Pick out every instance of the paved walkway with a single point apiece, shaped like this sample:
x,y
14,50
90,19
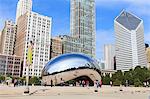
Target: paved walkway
x,y
106,92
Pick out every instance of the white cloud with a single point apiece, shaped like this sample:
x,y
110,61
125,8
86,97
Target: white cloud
x,y
133,2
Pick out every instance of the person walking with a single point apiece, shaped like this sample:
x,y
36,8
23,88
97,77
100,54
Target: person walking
x,y
100,83
126,83
147,83
62,82
51,83
83,83
96,84
15,82
111,83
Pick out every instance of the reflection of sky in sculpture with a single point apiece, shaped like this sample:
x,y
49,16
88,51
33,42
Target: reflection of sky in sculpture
x,y
68,61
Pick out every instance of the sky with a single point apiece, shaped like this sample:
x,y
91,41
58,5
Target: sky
x,y
106,11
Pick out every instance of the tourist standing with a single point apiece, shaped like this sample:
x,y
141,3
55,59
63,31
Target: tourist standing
x,y
51,83
100,83
15,82
111,83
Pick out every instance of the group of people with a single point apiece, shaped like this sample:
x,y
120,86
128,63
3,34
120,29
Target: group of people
x,y
82,83
13,82
98,84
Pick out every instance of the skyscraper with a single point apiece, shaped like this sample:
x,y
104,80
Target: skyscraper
x,y
109,54
8,38
82,23
36,28
71,44
23,6
130,48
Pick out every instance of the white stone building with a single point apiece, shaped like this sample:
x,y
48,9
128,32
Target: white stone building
x,y
130,47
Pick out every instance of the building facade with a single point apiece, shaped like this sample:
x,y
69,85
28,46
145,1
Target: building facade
x,y
109,54
148,57
130,48
23,6
102,64
8,38
36,28
65,44
10,65
82,23
71,44
56,47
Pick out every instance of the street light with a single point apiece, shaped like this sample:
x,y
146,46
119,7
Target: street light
x,y
29,63
27,81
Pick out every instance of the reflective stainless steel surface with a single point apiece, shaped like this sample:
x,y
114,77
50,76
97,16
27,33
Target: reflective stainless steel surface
x,y
69,61
69,67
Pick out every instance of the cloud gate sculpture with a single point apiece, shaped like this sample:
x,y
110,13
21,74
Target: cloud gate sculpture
x,y
68,67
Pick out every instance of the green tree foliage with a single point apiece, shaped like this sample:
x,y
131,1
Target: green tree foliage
x,y
117,82
118,76
34,80
128,76
141,73
136,77
106,79
137,83
2,78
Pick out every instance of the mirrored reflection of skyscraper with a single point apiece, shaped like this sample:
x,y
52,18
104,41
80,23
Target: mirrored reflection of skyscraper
x,y
83,23
130,48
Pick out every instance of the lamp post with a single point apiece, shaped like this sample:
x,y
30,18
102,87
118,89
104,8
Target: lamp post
x,y
27,81
29,62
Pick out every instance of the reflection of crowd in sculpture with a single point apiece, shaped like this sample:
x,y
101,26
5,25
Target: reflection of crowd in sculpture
x,y
78,83
83,83
98,84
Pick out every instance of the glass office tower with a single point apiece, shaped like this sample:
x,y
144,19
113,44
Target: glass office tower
x,y
83,23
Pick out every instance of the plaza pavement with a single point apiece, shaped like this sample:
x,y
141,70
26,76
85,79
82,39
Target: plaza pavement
x,y
106,92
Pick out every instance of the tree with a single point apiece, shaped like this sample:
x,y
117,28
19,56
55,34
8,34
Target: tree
x,y
135,76
141,73
2,78
117,82
128,75
118,76
137,83
106,79
34,80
